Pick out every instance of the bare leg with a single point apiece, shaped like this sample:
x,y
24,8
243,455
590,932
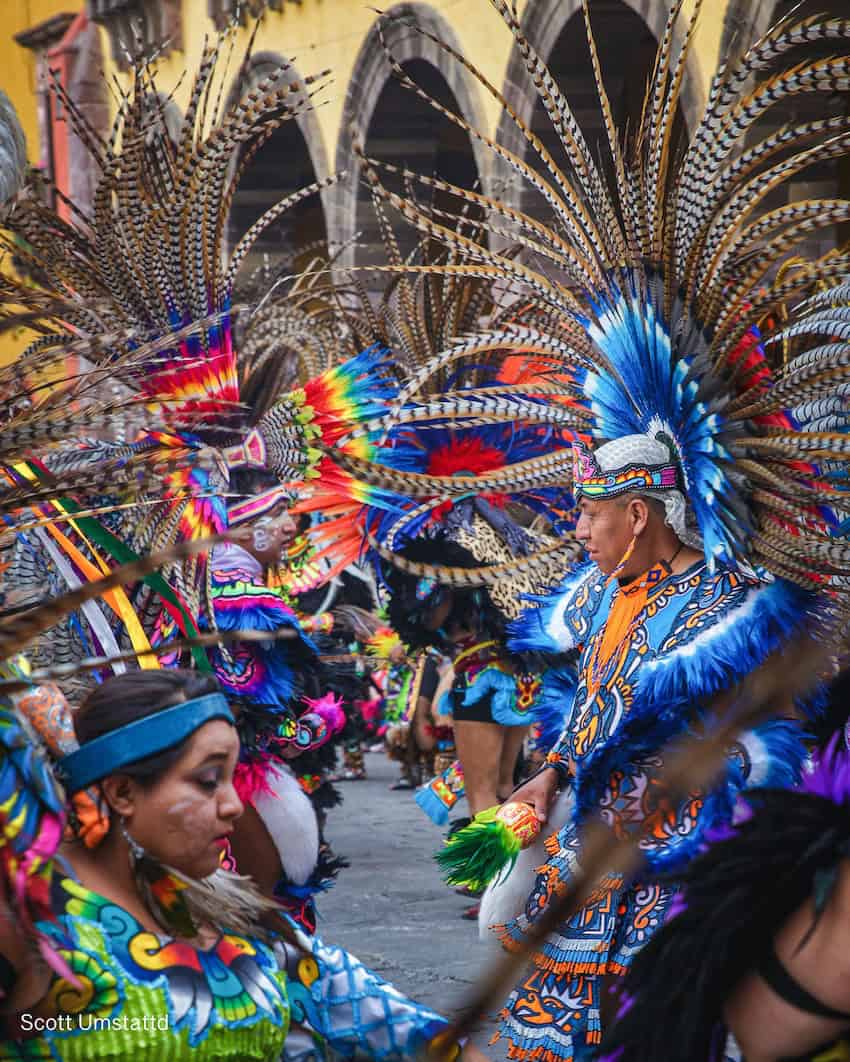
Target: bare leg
x,y
479,749
423,725
514,737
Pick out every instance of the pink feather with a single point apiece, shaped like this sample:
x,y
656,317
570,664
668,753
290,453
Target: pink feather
x,y
370,710
250,779
330,709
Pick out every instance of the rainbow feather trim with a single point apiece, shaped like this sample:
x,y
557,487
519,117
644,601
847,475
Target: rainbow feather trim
x,y
348,394
32,818
198,381
383,642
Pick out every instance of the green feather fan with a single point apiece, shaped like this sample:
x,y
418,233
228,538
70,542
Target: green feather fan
x,y
488,847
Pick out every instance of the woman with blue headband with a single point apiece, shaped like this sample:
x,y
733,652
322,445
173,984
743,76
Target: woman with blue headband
x,y
146,947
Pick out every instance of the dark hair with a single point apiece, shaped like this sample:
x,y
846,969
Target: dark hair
x,y
136,695
408,610
736,895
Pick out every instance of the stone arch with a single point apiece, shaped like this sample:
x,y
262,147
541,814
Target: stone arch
x,y
626,34
293,157
372,92
742,27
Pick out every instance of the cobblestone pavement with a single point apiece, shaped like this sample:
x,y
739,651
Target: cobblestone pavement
x,y
390,908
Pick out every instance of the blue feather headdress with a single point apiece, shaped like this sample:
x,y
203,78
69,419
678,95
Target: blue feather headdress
x,y
658,279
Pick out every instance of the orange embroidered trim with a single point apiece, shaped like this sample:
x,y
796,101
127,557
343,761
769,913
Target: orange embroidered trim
x,y
578,969
537,1054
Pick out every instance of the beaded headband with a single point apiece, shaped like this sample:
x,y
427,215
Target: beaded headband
x,y
257,505
590,481
137,740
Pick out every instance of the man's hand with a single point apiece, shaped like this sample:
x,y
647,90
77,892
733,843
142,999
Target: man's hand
x,y
539,791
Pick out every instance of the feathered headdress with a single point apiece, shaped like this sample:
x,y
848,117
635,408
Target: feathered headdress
x,y
454,444
134,306
659,275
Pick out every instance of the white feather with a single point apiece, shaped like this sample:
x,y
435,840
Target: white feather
x,y
291,821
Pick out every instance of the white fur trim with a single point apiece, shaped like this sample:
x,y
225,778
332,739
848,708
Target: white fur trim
x,y
291,821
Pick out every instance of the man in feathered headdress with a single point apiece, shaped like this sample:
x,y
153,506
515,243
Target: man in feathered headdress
x,y
646,281
661,634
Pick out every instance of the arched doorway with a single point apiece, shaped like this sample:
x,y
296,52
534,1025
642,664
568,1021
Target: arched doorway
x,y
626,36
626,43
406,131
396,126
289,160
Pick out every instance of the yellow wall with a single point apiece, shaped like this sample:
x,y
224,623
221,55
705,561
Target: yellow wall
x,y
17,64
316,34
328,34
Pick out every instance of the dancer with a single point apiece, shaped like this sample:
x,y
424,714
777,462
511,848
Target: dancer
x,y
645,587
242,600
712,537
490,700
143,931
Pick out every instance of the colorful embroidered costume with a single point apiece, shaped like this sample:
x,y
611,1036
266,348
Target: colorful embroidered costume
x,y
261,671
487,686
782,856
626,706
144,995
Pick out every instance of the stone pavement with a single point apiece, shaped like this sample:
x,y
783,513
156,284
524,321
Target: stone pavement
x,y
390,908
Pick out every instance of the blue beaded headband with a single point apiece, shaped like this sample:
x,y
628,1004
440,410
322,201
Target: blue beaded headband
x,y
137,740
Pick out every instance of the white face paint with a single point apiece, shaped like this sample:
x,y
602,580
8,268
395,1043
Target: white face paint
x,y
184,818
260,538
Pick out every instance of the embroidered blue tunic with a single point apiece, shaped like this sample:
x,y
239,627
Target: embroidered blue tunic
x,y
696,635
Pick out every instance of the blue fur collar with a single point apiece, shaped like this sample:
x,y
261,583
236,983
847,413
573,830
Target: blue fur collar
x,y
716,657
552,623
